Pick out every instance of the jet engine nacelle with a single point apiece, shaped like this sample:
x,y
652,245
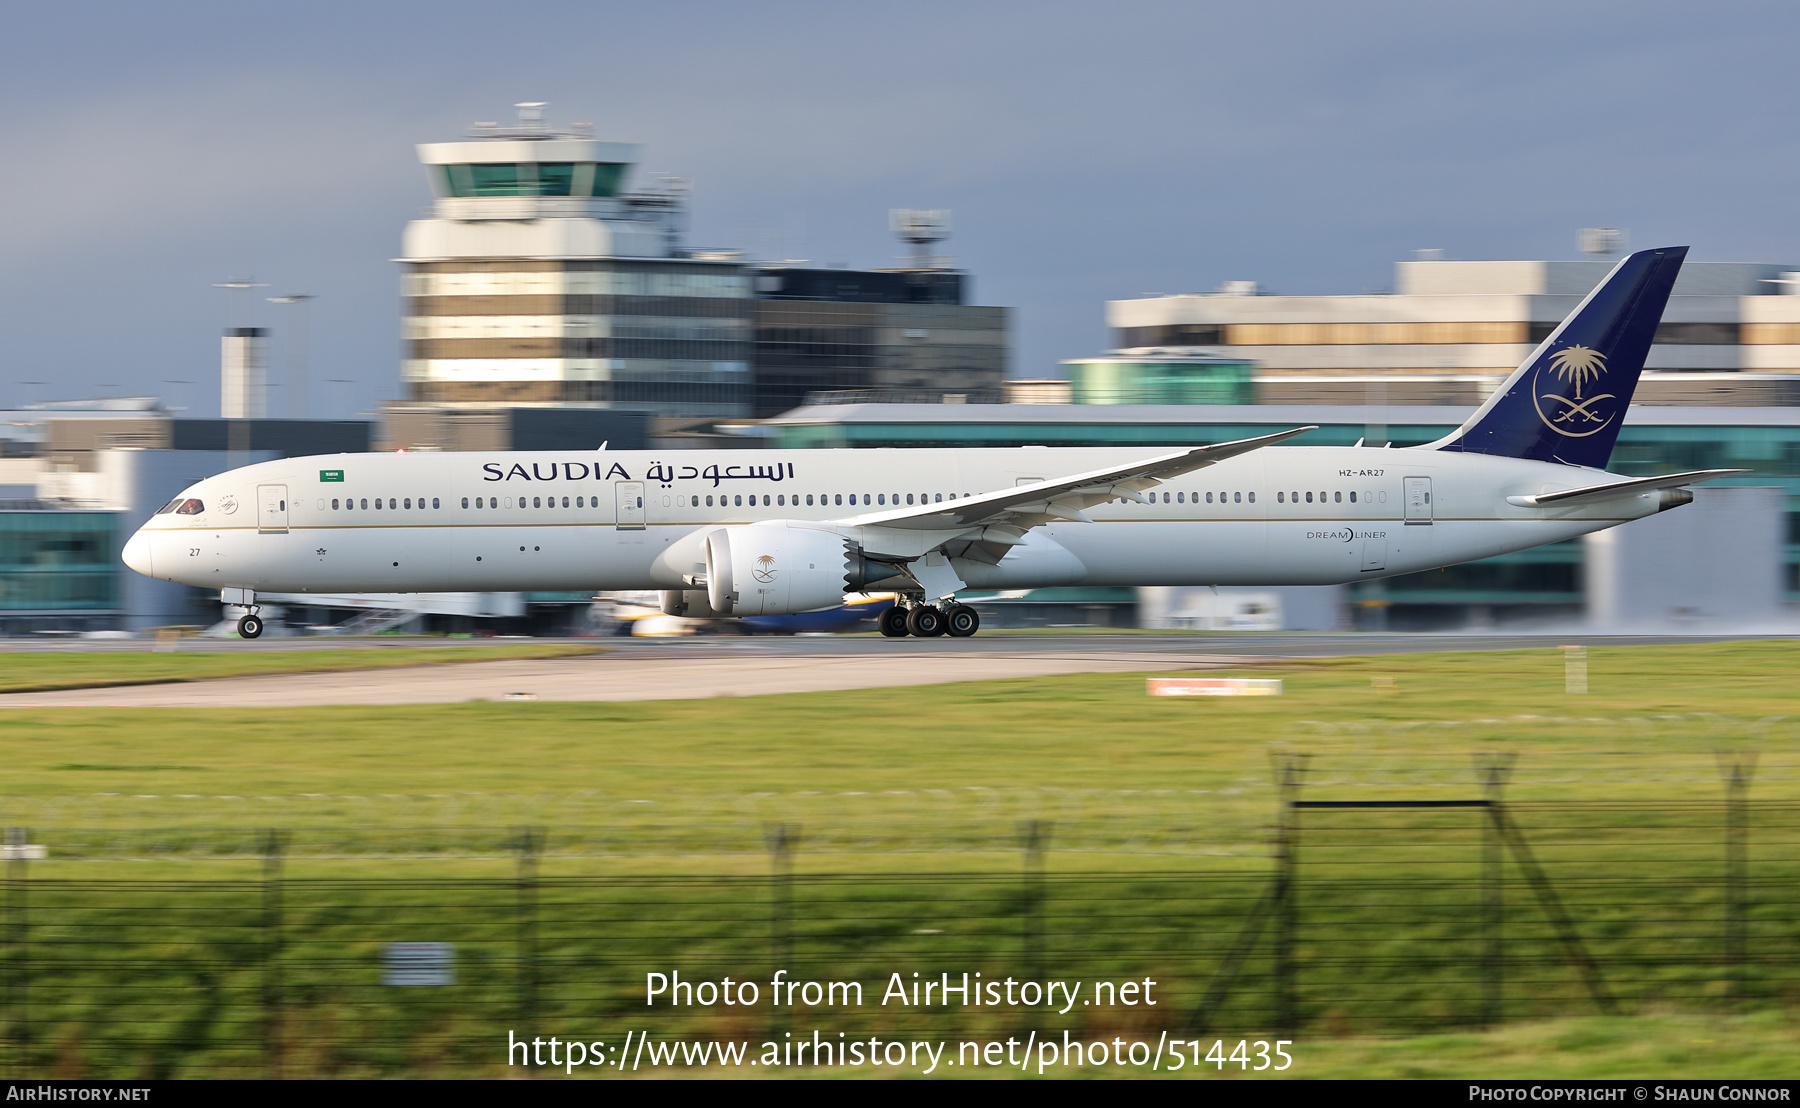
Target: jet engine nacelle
x,y
774,568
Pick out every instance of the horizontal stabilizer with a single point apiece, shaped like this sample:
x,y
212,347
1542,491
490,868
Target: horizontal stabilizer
x,y
1620,488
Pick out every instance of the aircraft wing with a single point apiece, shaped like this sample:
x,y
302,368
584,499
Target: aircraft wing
x,y
1616,488
1028,506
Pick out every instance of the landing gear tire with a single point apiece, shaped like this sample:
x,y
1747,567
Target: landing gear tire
x,y
925,622
961,621
893,622
250,627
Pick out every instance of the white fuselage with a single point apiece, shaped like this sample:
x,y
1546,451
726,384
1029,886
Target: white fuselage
x,y
566,520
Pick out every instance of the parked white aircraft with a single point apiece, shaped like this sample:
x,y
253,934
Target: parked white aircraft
x,y
792,531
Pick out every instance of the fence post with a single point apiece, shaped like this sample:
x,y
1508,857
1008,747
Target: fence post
x,y
781,838
1289,766
1737,768
272,844
17,1017
1034,836
525,889
1493,770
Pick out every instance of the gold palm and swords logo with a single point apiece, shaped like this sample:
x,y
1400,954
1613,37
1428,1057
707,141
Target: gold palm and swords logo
x,y
1579,415
764,569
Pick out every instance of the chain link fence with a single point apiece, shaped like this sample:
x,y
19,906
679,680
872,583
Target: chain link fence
x,y
1368,884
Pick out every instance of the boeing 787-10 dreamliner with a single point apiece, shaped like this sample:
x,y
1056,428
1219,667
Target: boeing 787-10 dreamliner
x,y
791,531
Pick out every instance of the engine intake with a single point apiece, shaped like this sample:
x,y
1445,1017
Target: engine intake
x,y
774,568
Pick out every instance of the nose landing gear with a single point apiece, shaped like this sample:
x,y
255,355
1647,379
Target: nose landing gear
x,y
250,626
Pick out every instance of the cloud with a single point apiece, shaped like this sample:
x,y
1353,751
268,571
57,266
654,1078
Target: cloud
x,y
1089,151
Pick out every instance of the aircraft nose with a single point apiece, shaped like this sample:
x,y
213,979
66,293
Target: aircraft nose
x,y
137,554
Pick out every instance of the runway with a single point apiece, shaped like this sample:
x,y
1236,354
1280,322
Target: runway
x,y
691,668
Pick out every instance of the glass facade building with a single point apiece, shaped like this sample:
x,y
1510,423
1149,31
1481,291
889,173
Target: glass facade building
x,y
873,331
57,562
1160,379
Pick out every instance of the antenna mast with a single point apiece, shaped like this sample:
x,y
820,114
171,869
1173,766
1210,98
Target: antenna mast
x,y
921,227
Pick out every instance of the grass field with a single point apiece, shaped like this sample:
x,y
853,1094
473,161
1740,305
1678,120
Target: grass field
x,y
1649,726
908,805
32,671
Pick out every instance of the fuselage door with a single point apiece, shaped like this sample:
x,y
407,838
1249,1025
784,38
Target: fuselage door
x,y
271,509
1418,501
630,499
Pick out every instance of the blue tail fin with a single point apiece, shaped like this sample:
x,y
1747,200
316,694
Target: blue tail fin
x,y
1565,404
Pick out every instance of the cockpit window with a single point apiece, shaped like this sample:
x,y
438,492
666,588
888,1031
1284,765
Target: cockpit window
x,y
169,507
190,508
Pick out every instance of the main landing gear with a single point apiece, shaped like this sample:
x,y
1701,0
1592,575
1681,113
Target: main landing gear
x,y
927,622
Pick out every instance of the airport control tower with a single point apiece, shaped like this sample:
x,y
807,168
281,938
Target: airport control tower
x,y
543,277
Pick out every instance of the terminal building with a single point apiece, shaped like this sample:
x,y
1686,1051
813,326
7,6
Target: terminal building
x,y
545,276
1473,318
77,478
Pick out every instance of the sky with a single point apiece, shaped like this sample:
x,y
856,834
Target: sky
x,y
1089,151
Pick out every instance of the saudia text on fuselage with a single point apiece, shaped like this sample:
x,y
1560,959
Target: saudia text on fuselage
x,y
658,473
